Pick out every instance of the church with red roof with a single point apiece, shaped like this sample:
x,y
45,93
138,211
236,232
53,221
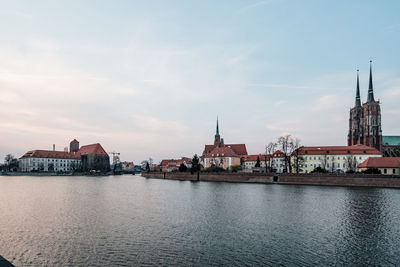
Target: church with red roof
x,y
222,155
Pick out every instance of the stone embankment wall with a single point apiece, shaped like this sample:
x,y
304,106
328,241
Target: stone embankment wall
x,y
371,180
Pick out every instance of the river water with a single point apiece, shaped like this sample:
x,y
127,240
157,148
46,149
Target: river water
x,y
130,220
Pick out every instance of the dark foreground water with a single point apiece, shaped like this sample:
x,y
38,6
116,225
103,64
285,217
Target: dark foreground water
x,y
130,220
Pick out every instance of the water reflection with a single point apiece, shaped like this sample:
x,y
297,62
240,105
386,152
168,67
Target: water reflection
x,y
130,220
366,234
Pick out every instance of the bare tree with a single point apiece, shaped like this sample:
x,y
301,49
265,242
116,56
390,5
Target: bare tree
x,y
287,144
269,150
298,160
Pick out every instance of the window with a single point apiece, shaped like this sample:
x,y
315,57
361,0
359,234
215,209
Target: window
x,y
315,158
384,171
394,171
327,157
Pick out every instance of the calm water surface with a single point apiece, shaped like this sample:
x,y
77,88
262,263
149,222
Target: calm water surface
x,y
130,220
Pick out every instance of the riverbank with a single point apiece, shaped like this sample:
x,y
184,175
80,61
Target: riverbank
x,y
364,180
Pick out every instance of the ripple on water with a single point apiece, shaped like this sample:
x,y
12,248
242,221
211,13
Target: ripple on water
x,y
126,220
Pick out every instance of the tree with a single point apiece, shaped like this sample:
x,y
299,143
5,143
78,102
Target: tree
x,y
147,166
287,145
319,170
8,159
236,168
182,167
269,150
298,160
257,162
372,171
195,164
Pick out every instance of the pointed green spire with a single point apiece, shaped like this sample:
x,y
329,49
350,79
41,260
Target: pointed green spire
x,y
358,99
370,87
217,133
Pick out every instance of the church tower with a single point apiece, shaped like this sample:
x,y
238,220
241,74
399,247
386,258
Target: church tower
x,y
355,131
365,121
372,131
217,138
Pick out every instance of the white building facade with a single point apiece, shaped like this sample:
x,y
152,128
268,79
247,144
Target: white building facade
x,y
49,161
333,158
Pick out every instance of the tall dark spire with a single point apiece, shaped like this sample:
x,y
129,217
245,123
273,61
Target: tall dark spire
x,y
358,99
217,132
370,87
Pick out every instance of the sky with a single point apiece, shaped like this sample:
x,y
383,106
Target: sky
x,y
149,78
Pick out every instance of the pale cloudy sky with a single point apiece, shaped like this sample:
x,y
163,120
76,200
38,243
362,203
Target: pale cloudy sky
x,y
149,78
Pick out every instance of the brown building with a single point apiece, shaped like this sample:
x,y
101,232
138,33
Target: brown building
x,y
94,157
365,120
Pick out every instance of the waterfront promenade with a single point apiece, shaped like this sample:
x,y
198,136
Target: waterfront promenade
x,y
365,180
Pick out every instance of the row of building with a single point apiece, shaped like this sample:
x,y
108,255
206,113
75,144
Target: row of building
x,y
366,148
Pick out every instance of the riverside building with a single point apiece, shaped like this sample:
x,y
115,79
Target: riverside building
x,y
333,158
86,158
222,155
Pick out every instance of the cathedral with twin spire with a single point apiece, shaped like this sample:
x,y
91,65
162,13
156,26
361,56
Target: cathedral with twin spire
x,y
365,120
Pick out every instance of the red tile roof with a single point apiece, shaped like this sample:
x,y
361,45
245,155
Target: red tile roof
x,y
165,163
254,157
378,162
239,149
50,154
222,151
92,149
84,150
338,150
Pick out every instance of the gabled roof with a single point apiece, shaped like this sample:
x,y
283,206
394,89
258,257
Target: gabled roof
x,y
222,151
92,149
380,162
239,149
338,150
50,154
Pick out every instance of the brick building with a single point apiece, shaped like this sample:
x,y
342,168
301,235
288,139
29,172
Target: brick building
x,y
365,120
86,158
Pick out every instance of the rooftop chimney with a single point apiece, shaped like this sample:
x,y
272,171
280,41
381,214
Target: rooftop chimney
x,y
54,147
